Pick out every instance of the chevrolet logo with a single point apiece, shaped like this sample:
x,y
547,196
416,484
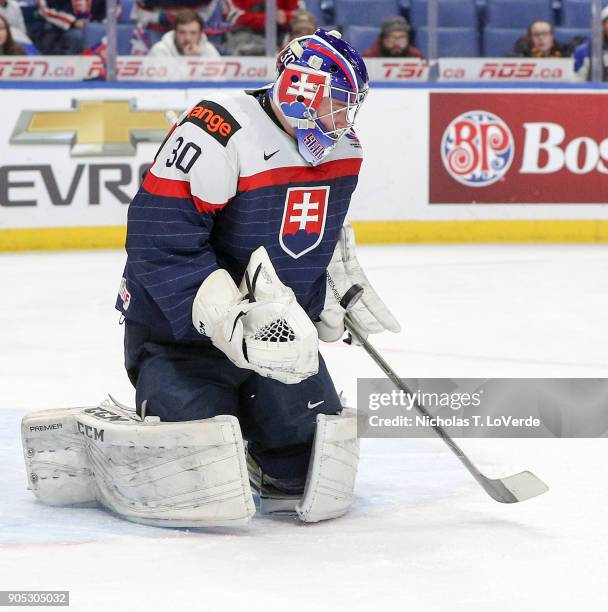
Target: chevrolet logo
x,y
94,127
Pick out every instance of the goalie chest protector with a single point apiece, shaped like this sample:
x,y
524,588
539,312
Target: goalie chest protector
x,y
227,180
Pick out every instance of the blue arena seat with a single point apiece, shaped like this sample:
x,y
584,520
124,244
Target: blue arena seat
x,y
565,35
364,13
452,13
497,42
154,36
314,7
517,13
323,10
94,32
577,13
452,42
126,6
124,35
361,37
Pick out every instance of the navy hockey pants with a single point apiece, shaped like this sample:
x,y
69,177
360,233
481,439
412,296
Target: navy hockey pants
x,y
184,382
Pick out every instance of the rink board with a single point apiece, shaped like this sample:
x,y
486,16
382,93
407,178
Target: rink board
x,y
441,164
367,232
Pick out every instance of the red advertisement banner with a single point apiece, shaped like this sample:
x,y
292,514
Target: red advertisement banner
x,y
518,148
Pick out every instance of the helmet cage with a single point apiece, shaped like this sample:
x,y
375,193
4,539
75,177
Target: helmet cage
x,y
343,103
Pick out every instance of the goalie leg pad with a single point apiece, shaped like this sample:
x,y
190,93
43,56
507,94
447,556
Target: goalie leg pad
x,y
186,474
189,474
332,469
56,459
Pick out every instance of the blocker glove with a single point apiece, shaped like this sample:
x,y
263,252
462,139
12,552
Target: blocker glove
x,y
370,314
259,326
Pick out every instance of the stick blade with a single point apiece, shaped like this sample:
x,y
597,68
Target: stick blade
x,y
516,488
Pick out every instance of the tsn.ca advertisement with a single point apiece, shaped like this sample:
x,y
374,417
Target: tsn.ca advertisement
x,y
163,69
133,68
518,148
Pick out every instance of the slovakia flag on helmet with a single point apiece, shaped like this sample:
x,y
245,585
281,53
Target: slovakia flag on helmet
x,y
303,87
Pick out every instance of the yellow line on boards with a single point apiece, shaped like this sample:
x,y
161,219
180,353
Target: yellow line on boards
x,y
395,232
60,238
367,232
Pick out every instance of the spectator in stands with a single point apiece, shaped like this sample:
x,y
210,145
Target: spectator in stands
x,y
582,53
248,22
539,41
303,23
61,31
7,45
188,38
156,17
394,40
11,11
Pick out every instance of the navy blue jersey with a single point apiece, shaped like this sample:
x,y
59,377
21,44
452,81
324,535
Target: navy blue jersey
x,y
227,180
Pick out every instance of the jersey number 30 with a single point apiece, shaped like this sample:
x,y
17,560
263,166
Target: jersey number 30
x,y
186,158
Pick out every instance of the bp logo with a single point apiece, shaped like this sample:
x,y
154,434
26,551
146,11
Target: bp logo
x,y
477,148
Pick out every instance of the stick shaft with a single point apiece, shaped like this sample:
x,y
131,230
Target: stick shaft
x,y
390,373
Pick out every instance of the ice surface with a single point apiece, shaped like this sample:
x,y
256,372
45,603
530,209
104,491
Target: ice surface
x,y
421,535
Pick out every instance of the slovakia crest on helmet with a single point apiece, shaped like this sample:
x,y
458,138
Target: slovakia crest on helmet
x,y
300,87
322,82
303,221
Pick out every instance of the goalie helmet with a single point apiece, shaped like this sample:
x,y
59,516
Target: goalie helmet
x,y
322,82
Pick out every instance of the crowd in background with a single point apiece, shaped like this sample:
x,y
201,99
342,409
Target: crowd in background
x,y
163,27
209,28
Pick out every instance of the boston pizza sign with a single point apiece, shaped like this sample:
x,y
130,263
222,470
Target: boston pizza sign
x,y
518,148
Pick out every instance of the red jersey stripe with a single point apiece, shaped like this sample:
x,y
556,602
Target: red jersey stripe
x,y
301,174
172,188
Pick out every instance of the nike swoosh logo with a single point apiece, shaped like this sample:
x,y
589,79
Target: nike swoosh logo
x,y
311,406
267,157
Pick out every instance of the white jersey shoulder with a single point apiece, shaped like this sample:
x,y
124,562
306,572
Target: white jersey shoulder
x,y
227,136
200,151
262,145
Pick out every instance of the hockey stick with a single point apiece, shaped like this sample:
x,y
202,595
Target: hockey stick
x,y
508,490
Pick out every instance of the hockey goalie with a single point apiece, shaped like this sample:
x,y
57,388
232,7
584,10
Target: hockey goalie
x,y
239,259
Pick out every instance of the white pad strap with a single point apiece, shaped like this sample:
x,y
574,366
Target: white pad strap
x,y
332,469
189,474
